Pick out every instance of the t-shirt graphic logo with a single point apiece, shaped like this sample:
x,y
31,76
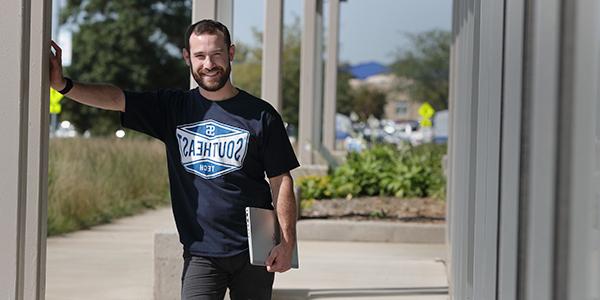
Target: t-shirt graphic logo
x,y
210,149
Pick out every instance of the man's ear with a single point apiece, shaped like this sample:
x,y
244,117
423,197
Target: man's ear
x,y
231,52
186,56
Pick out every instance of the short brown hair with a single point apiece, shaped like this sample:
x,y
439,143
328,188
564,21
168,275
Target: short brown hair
x,y
207,26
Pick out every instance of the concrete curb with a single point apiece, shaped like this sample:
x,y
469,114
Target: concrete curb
x,y
168,265
370,231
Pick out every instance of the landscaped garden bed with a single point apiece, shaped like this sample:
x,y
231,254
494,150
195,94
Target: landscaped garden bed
x,y
382,183
420,210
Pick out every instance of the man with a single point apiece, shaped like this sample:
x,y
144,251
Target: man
x,y
220,143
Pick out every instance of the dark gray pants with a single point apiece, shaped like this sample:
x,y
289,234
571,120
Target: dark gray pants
x,y
207,278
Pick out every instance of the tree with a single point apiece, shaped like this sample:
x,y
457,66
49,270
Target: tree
x,y
362,100
368,101
345,93
247,66
134,44
427,65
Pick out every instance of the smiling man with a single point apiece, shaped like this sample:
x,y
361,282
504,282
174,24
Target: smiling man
x,y
221,142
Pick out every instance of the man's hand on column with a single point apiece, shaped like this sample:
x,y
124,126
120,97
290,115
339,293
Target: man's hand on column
x,y
57,80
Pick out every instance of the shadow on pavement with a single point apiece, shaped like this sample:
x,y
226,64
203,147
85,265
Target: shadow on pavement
x,y
297,294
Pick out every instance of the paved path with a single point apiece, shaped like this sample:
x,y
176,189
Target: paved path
x,y
111,261
115,261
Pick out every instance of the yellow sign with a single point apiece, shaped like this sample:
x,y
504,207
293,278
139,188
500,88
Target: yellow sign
x,y
55,97
426,112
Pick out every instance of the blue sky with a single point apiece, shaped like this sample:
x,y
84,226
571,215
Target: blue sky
x,y
370,30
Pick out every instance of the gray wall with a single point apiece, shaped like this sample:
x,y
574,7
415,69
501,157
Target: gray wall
x,y
522,204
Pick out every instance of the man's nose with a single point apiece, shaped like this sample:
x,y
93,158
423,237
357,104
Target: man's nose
x,y
208,62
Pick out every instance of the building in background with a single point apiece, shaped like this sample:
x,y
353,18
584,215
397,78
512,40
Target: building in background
x,y
399,106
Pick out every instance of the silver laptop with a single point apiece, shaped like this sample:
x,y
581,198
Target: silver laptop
x,y
263,235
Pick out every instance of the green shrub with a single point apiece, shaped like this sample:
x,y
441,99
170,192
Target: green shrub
x,y
384,171
93,181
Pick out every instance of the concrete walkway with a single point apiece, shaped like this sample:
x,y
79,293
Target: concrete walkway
x,y
115,261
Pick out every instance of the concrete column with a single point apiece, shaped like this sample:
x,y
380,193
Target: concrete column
x,y
577,254
204,9
508,231
523,196
540,130
311,97
330,98
271,63
25,27
487,170
37,159
14,22
221,11
461,192
225,14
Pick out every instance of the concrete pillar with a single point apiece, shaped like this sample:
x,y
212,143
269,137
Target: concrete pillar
x,y
461,192
14,20
271,63
221,11
37,149
25,27
523,196
540,128
311,97
577,269
330,97
508,227
488,148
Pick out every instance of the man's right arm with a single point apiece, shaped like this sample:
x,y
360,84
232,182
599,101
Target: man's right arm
x,y
104,96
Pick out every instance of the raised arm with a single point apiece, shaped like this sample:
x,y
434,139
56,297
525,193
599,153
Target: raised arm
x,y
282,188
103,96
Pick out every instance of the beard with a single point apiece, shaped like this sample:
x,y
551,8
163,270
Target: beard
x,y
212,83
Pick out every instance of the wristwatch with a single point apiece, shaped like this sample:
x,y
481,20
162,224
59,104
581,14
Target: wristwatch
x,y
67,87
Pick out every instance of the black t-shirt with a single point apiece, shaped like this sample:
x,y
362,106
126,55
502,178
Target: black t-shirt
x,y
217,155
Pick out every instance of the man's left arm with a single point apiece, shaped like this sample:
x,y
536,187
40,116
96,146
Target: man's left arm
x,y
282,189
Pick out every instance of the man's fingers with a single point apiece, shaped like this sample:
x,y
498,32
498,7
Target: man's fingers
x,y
270,259
55,45
56,48
278,267
275,267
276,261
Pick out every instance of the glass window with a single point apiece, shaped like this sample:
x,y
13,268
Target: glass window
x,y
402,108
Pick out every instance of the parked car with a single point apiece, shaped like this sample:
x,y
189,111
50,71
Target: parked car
x,y
440,127
345,135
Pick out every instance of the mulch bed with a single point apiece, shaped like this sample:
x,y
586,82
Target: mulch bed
x,y
415,210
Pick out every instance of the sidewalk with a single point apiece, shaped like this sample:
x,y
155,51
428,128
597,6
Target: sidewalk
x,y
344,270
115,261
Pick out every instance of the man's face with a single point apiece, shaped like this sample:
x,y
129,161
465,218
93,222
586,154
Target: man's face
x,y
209,60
